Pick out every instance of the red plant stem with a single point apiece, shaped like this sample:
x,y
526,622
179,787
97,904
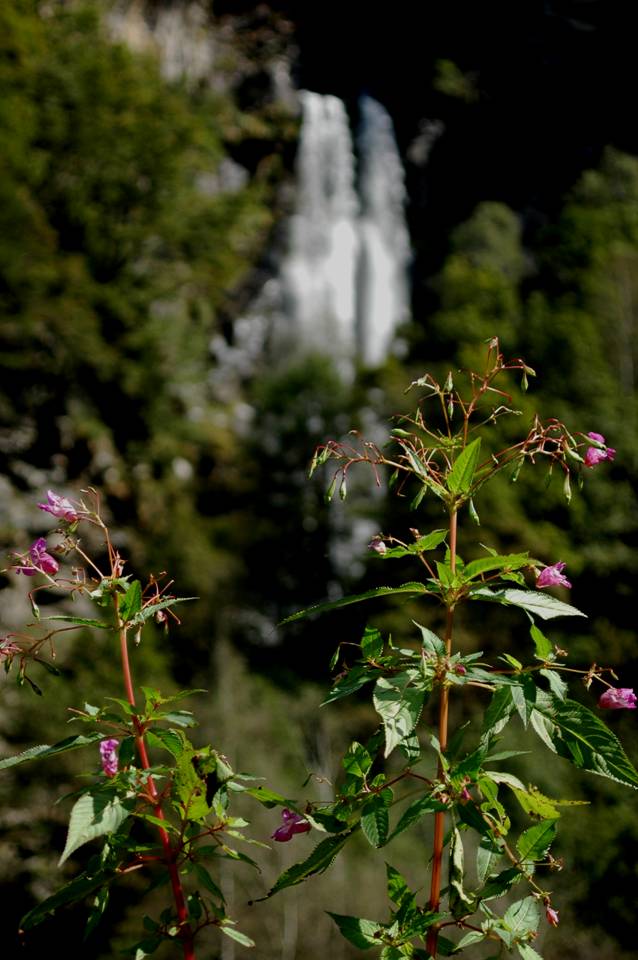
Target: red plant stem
x,y
186,934
439,816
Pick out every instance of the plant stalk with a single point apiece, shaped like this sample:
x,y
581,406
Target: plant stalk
x,y
439,816
186,933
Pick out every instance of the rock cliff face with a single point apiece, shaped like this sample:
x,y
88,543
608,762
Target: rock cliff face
x,y
180,34
251,54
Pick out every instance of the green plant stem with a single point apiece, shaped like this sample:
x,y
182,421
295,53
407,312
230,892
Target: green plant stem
x,y
186,933
439,816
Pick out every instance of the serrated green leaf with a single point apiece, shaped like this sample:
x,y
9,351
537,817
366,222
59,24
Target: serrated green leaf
x,y
556,683
474,936
431,643
527,952
500,776
488,854
167,739
534,843
236,935
498,713
371,644
430,542
82,622
141,616
524,697
412,589
461,475
543,648
458,898
512,561
268,797
207,881
43,751
319,860
397,886
353,680
578,735
399,703
76,890
357,761
543,605
92,816
96,911
536,804
498,885
374,818
360,932
523,917
131,602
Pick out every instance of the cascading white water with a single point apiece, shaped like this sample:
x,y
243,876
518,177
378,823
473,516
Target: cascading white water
x,y
319,270
341,288
383,300
346,272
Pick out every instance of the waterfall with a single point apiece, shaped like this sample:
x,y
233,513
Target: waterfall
x,y
319,269
345,275
383,300
341,286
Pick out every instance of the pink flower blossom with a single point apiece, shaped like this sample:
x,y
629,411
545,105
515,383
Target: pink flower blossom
x,y
552,576
39,560
291,823
618,698
108,754
377,545
60,507
552,915
597,454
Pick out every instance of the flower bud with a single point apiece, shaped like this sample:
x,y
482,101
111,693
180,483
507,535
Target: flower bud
x,y
378,546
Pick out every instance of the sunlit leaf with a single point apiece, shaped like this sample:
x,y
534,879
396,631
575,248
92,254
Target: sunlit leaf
x,y
460,478
92,816
543,605
412,589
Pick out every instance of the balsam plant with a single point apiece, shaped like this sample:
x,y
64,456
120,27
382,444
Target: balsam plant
x,y
157,802
440,452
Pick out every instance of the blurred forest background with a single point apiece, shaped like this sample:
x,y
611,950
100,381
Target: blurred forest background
x,y
147,152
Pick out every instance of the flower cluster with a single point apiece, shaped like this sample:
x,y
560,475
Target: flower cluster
x,y
60,508
291,823
38,560
553,576
618,698
599,452
108,755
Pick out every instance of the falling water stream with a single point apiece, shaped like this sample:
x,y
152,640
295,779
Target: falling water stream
x,y
341,287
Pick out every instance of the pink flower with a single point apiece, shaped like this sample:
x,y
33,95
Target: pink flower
x,y
60,507
552,915
291,823
618,698
108,754
552,576
599,453
377,545
40,560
